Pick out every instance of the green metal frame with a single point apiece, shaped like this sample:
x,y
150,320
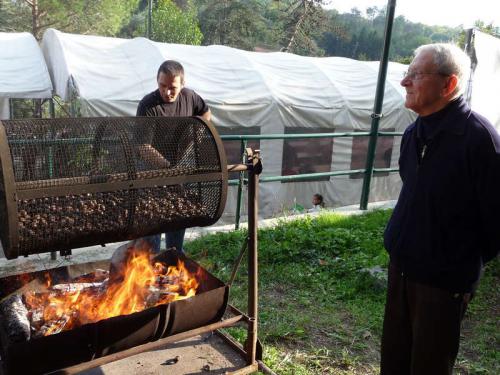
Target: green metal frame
x,y
377,107
307,176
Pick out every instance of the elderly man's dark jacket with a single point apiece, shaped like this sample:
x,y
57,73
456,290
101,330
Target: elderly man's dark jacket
x,y
446,223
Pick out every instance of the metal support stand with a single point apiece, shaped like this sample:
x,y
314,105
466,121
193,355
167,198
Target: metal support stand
x,y
252,350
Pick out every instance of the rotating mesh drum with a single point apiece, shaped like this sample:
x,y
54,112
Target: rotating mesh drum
x,y
69,183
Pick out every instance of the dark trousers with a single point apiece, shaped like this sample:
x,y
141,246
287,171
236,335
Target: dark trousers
x,y
172,239
421,331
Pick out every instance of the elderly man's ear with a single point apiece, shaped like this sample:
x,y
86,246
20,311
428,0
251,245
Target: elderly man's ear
x,y
450,86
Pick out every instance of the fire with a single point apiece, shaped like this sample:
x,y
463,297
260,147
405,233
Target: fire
x,y
139,285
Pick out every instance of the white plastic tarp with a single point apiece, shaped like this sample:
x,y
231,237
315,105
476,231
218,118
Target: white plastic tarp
x,y
23,72
269,91
486,78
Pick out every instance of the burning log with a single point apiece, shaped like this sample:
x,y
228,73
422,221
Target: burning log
x,y
78,287
14,319
99,275
159,295
53,327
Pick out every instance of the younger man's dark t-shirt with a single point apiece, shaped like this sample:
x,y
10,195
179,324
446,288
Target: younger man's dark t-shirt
x,y
188,103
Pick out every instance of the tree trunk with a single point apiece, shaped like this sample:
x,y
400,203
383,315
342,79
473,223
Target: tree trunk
x,y
297,26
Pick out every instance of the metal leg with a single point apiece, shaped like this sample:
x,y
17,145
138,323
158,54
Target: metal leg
x,y
253,197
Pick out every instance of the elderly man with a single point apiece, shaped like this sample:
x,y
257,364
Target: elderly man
x,y
444,227
171,99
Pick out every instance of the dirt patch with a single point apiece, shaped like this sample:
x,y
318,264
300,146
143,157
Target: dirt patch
x,y
206,354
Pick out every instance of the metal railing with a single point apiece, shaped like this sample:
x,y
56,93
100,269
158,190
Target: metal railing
x,y
307,176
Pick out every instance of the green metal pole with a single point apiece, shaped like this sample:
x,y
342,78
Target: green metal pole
x,y
241,180
150,20
52,112
11,109
379,99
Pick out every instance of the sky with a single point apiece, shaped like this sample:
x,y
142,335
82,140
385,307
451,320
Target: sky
x,y
433,12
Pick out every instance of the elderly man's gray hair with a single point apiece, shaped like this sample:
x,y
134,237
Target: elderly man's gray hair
x,y
449,59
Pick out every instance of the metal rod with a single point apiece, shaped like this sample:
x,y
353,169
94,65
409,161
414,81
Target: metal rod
x,y
237,168
9,189
235,311
52,109
11,108
232,343
292,136
239,348
469,49
379,99
86,141
84,185
147,347
250,369
302,177
309,175
238,261
150,19
263,368
52,112
253,198
241,180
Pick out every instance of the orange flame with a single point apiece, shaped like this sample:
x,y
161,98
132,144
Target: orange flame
x,y
143,285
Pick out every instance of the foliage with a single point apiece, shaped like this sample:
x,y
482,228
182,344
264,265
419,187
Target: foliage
x,y
362,38
288,25
483,27
240,24
303,21
11,18
305,27
173,25
102,17
489,28
320,311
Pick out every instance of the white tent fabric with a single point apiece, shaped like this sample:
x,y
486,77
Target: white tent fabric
x,y
269,91
486,78
23,72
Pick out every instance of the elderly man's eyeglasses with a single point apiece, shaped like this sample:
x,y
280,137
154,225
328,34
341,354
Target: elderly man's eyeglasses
x,y
417,76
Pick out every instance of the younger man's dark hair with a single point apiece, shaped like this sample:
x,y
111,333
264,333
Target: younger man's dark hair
x,y
172,68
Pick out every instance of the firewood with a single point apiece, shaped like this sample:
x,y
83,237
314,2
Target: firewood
x,y
54,326
14,318
156,295
36,319
77,287
34,285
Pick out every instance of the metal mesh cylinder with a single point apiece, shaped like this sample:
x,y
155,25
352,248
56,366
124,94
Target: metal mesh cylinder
x,y
69,183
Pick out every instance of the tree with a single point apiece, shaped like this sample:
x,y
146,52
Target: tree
x,y
11,19
303,22
237,23
102,17
173,25
489,28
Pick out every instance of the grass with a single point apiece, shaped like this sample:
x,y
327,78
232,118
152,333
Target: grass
x,y
320,311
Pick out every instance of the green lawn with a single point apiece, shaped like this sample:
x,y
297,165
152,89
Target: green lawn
x,y
320,310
